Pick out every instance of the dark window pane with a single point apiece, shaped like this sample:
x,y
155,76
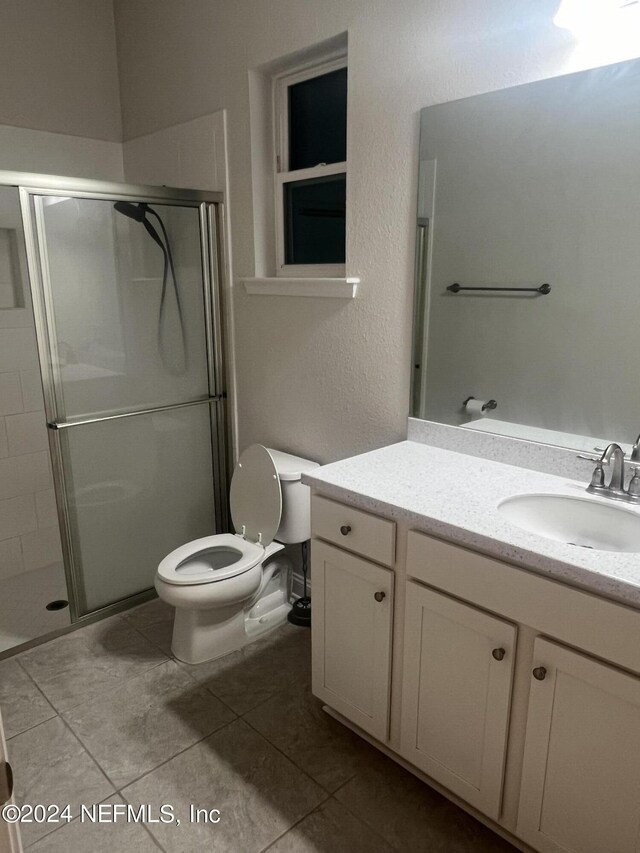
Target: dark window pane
x,y
314,216
318,120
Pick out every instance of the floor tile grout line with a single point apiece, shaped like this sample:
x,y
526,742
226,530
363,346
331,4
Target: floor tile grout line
x,y
297,823
90,754
118,788
60,711
183,666
101,693
31,728
62,825
35,683
290,760
361,818
167,760
149,833
217,731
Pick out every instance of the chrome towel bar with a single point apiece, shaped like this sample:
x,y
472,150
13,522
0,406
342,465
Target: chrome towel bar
x,y
543,289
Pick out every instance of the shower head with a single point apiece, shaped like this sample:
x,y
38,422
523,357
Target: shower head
x,y
133,211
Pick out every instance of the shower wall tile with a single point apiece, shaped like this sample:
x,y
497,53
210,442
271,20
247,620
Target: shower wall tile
x,y
41,548
18,349
17,515
22,475
10,394
16,318
32,399
26,433
46,508
10,558
29,537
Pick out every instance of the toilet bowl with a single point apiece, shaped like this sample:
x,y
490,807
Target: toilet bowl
x,y
228,589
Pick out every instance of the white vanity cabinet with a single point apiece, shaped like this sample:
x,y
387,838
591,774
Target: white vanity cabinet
x,y
581,773
516,694
457,676
352,620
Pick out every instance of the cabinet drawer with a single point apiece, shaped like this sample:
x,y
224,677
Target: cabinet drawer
x,y
603,628
354,530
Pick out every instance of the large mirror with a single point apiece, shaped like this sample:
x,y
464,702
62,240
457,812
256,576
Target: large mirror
x,y
528,261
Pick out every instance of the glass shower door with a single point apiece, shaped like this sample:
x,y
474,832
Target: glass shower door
x,y
126,307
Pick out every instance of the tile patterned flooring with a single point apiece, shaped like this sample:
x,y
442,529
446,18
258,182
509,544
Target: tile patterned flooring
x,y
105,715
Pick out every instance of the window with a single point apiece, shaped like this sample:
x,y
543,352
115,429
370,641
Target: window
x,y
311,170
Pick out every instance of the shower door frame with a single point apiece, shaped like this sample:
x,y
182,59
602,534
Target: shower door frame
x,y
210,206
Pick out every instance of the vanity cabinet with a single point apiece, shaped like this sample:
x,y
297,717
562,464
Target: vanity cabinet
x,y
581,772
516,694
457,677
352,625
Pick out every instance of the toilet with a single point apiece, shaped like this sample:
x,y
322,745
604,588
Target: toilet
x,y
228,589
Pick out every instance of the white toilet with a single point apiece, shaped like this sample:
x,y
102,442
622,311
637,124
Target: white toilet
x,y
228,589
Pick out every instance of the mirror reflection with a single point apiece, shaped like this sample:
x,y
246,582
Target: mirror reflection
x,y
528,260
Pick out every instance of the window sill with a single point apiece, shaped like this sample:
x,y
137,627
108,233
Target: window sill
x,y
340,288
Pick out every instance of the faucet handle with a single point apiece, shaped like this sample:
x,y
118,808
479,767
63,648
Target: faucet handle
x,y
597,478
589,458
634,485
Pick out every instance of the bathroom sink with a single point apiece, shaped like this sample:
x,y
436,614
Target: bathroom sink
x,y
583,522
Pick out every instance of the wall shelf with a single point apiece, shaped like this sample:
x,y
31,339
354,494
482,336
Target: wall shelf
x,y
336,288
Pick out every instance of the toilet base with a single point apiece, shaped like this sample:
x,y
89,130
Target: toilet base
x,y
203,635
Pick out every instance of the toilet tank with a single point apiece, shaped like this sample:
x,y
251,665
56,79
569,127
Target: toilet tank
x,y
295,522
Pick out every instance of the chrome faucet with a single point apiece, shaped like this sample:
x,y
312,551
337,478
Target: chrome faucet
x,y
613,456
635,451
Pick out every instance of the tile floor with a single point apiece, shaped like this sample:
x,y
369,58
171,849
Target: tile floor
x,y
106,715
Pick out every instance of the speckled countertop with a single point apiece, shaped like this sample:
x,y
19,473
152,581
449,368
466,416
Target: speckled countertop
x,y
455,497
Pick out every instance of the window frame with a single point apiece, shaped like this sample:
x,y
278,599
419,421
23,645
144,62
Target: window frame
x,y
282,175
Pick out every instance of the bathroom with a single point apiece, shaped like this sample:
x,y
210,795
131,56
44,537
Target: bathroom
x,y
347,408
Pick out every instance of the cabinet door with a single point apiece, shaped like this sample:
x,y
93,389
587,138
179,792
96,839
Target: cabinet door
x,y
457,676
581,777
351,633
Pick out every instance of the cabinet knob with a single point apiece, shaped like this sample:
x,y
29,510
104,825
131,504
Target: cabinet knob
x,y
345,530
539,673
379,596
498,654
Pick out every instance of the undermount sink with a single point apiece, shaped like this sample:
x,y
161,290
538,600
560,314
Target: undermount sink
x,y
576,521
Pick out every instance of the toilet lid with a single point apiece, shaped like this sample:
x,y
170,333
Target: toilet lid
x,y
256,496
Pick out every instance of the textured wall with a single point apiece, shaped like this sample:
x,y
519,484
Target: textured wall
x,y
320,377
58,67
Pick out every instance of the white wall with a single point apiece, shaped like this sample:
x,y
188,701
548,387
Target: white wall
x,y
58,66
191,155
60,105
326,378
26,150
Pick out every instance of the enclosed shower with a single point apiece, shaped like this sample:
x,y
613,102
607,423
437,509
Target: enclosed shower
x,y
120,289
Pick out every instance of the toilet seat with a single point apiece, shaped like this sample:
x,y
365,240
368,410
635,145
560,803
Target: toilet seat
x,y
210,559
256,509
